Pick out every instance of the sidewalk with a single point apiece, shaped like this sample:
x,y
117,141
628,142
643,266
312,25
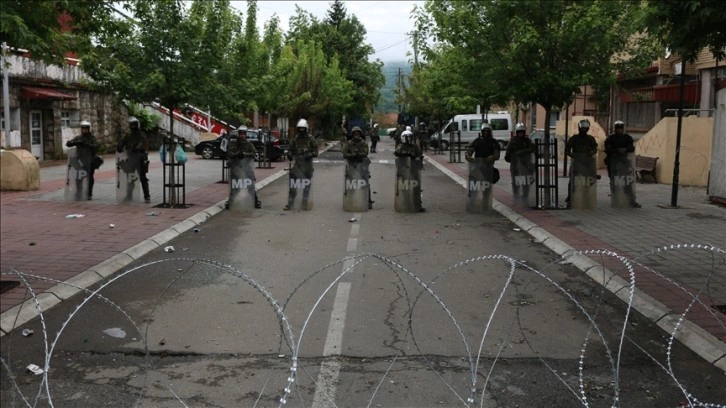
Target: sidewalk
x,y
637,234
38,239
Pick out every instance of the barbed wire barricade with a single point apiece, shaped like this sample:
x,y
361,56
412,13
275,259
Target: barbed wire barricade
x,y
482,311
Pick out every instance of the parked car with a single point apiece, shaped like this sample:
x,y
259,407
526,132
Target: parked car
x,y
275,147
210,149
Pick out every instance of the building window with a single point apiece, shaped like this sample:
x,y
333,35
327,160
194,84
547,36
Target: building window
x,y
554,117
65,119
464,124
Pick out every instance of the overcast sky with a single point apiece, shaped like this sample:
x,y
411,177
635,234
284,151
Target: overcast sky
x,y
386,22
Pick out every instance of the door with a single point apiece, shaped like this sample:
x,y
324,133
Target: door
x,y
36,134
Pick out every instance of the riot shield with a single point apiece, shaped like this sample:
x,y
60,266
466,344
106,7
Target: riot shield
x,y
301,183
622,180
76,176
127,177
242,184
522,171
583,179
357,188
408,185
479,191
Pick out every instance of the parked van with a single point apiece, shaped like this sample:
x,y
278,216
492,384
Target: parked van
x,y
470,126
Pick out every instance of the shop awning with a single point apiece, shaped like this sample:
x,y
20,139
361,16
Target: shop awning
x,y
45,93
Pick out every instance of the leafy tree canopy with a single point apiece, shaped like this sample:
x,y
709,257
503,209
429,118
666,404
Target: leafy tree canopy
x,y
687,26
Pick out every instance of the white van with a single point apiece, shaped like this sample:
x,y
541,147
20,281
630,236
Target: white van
x,y
470,127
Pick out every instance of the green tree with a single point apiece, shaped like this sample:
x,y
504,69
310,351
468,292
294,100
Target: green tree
x,y
343,37
687,26
36,25
218,26
313,88
540,51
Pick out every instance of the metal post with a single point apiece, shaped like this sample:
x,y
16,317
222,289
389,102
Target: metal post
x,y
676,163
6,95
567,134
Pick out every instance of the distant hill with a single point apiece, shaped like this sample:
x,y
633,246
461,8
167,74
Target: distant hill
x,y
387,103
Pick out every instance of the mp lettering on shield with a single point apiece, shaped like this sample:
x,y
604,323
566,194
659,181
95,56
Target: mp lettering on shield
x,y
407,184
299,183
479,185
81,174
580,181
523,180
623,180
241,183
355,184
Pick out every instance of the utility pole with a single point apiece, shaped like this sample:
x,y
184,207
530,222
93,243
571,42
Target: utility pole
x,y
676,163
400,89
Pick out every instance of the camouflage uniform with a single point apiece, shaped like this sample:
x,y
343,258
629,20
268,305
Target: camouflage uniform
x,y
356,150
581,143
613,144
373,133
303,145
483,147
517,146
303,148
408,150
238,149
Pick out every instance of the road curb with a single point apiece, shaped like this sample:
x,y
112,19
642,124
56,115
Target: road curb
x,y
28,310
689,334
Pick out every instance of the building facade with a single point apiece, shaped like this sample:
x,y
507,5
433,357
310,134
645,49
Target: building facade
x,y
47,104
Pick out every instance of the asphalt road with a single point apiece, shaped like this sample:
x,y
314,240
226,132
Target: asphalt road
x,y
434,309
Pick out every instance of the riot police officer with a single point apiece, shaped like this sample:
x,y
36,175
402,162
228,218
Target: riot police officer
x,y
240,148
484,146
617,147
86,148
137,144
408,149
580,144
303,148
356,150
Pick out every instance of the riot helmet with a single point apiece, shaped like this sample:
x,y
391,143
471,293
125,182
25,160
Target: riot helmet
x,y
584,125
408,128
302,126
355,130
619,124
85,125
406,134
520,128
133,122
486,129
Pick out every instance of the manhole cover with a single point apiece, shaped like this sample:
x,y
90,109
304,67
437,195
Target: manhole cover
x,y
7,285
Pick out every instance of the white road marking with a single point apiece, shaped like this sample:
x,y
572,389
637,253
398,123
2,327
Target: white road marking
x,y
330,368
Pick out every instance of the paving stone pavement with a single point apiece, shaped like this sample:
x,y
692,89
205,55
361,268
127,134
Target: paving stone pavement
x,y
644,235
37,238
